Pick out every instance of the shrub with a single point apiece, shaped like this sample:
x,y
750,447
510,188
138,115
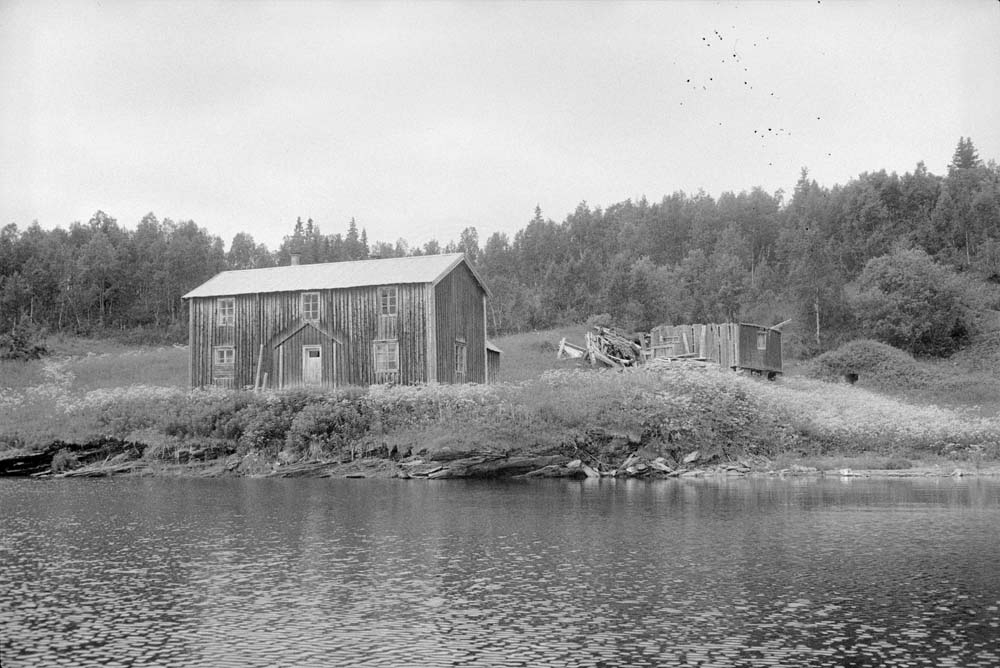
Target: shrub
x,y
329,426
909,301
25,341
871,362
64,460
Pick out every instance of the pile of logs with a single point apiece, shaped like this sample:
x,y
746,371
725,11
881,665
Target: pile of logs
x,y
603,346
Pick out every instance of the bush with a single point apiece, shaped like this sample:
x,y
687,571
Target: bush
x,y
329,427
25,341
870,362
909,301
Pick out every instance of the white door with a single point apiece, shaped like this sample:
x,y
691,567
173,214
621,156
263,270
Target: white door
x,y
312,365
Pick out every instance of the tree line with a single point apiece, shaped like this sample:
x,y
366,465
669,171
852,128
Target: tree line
x,y
840,262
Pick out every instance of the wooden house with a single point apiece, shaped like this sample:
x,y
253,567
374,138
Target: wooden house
x,y
739,346
397,320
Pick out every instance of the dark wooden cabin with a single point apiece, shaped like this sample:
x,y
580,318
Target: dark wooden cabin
x,y
739,346
397,320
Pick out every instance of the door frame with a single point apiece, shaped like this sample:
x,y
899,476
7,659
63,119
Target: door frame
x,y
305,356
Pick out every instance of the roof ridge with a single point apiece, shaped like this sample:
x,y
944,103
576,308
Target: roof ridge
x,y
316,264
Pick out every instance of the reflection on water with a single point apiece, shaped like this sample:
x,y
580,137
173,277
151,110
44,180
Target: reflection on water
x,y
449,573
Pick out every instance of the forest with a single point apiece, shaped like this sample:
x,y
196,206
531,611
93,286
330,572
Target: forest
x,y
911,260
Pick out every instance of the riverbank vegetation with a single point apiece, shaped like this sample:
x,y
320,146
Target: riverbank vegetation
x,y
892,266
137,398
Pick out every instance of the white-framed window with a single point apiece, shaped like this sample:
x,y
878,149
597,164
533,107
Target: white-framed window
x,y
386,356
225,311
388,300
762,340
461,356
310,305
224,356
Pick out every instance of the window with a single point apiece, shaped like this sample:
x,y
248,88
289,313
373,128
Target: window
x,y
310,305
225,310
461,357
386,356
387,300
225,356
762,340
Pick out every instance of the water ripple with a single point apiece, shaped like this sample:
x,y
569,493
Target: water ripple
x,y
386,573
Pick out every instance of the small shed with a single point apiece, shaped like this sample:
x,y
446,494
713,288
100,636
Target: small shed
x,y
739,346
492,362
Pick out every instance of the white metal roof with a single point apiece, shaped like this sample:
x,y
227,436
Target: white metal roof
x,y
333,275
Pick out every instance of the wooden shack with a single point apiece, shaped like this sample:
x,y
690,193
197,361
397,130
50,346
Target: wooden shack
x,y
397,320
739,346
492,362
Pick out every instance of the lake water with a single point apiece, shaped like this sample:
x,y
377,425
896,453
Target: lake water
x,y
164,572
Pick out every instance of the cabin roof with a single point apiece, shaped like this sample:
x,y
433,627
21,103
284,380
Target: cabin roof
x,y
334,275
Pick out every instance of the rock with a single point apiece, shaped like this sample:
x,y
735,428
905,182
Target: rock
x,y
425,469
575,464
658,465
590,473
499,466
691,457
554,471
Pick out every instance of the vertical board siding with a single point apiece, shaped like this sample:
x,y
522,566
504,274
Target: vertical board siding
x,y
351,315
429,320
493,364
730,344
458,304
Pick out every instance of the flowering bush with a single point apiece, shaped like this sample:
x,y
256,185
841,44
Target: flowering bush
x,y
852,419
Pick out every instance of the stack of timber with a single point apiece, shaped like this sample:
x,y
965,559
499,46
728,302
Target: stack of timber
x,y
603,346
739,346
712,342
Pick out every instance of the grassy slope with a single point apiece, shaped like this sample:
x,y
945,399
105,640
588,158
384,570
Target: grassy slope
x,y
33,394
41,401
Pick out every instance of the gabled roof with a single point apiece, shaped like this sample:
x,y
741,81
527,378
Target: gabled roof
x,y
334,275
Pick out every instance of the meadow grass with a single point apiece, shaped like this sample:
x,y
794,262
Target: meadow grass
x,y
36,396
526,356
545,405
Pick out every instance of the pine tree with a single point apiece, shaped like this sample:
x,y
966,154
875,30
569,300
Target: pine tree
x,y
966,156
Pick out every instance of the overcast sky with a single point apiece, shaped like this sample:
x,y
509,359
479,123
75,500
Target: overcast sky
x,y
420,119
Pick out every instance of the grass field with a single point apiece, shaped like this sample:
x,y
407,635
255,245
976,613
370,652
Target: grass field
x,y
35,394
87,388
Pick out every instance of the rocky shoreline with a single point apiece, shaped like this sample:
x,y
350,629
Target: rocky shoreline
x,y
110,457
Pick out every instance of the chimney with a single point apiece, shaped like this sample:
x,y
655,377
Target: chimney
x,y
295,259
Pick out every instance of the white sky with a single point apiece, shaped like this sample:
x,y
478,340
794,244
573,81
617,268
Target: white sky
x,y
420,119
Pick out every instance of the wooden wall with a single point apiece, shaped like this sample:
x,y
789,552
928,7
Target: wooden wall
x,y
751,357
460,312
730,344
493,364
351,315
